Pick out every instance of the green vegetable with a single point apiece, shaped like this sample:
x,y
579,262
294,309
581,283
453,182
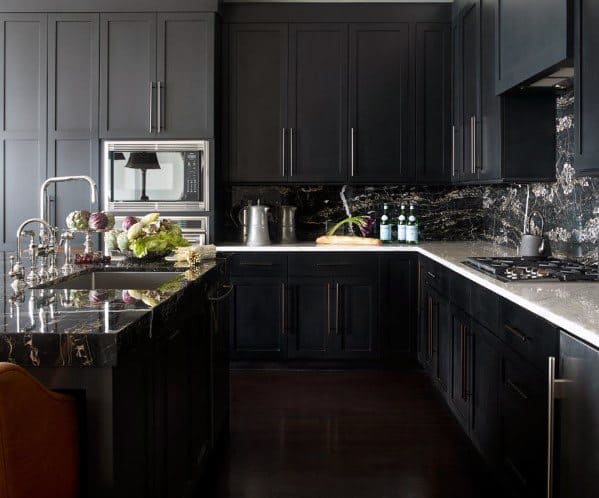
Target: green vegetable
x,y
149,218
135,231
361,221
161,241
122,241
110,240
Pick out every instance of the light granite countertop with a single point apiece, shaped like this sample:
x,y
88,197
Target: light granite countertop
x,y
572,306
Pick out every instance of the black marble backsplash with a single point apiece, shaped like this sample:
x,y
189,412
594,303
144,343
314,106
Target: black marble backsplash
x,y
494,213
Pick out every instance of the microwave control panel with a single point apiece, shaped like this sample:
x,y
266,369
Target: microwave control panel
x,y
192,162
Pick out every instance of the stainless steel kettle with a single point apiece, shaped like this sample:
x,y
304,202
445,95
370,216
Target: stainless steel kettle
x,y
287,224
534,246
256,220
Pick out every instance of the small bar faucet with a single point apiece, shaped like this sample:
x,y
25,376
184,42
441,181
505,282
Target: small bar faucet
x,y
60,179
17,269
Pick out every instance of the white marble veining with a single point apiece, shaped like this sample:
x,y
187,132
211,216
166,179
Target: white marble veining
x,y
572,306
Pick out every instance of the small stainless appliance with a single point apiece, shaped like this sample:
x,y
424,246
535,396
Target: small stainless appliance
x,y
257,223
287,224
526,269
164,176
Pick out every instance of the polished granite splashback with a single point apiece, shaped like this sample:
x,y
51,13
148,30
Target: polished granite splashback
x,y
493,213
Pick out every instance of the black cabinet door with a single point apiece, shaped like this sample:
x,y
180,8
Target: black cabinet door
x,y
586,53
23,111
185,78
470,90
456,101
127,75
258,78
398,305
433,97
73,89
577,422
425,328
380,112
532,39
258,318
311,317
523,427
486,387
356,317
442,345
317,148
461,366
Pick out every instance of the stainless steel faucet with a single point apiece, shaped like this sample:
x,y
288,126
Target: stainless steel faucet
x,y
32,277
44,215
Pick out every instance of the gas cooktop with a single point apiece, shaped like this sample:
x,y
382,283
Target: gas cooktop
x,y
526,269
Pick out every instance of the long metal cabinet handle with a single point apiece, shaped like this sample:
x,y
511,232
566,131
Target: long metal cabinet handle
x,y
430,328
453,150
352,151
283,306
159,107
151,106
330,331
337,308
291,130
473,131
283,150
550,423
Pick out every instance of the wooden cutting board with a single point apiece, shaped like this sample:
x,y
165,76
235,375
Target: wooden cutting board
x,y
347,240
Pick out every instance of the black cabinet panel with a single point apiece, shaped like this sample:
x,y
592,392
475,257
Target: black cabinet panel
x,y
311,317
73,90
381,144
23,114
258,72
532,38
433,96
318,102
128,73
586,54
258,317
186,75
461,369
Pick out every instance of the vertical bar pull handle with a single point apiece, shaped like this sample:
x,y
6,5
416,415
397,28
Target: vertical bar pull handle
x,y
453,150
337,308
550,423
353,151
291,131
329,309
473,130
151,106
283,150
159,107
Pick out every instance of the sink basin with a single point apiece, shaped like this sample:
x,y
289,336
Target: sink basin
x,y
117,280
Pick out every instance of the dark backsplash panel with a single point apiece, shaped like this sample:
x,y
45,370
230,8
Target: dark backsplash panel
x,y
494,213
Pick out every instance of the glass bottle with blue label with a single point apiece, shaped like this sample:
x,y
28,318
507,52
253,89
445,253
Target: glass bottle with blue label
x,y
385,225
412,227
402,222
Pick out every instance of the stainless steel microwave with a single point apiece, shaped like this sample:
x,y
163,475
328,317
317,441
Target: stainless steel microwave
x,y
164,176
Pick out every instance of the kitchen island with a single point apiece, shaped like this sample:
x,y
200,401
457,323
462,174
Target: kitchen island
x,y
149,368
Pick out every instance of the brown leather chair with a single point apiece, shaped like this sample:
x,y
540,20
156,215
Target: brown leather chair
x,y
39,444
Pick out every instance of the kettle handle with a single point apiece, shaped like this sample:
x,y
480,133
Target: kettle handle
x,y
240,214
538,213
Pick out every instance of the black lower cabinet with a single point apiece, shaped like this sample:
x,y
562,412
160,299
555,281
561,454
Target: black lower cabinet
x,y
523,427
461,366
258,318
311,318
486,387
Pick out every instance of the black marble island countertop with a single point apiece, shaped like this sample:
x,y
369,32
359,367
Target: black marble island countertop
x,y
43,327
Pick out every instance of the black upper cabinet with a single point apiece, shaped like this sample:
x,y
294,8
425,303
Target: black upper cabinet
x,y
23,108
532,40
185,76
380,116
128,75
495,139
586,54
148,85
433,97
258,75
73,88
317,103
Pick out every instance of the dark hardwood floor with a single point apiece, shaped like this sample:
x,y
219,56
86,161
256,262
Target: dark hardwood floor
x,y
351,434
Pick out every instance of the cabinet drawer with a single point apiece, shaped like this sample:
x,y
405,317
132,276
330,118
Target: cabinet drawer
x,y
529,335
434,275
258,265
333,264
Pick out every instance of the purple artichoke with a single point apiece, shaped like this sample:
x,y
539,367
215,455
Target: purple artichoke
x,y
98,221
128,222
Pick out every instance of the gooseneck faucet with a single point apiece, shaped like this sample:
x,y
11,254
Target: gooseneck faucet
x,y
60,179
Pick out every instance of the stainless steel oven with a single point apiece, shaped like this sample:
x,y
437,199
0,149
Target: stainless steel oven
x,y
164,176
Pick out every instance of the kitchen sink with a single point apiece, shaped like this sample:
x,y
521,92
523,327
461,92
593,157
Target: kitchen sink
x,y
117,280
